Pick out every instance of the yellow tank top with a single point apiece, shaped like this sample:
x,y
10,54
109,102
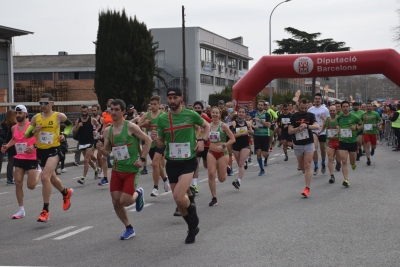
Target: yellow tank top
x,y
48,135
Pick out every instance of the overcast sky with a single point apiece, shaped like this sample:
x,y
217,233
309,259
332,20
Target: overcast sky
x,y
72,25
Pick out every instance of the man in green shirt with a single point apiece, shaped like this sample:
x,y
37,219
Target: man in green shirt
x,y
338,109
177,128
372,121
348,126
273,116
357,111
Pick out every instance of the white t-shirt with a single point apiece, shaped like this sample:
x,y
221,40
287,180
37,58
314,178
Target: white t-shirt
x,y
321,114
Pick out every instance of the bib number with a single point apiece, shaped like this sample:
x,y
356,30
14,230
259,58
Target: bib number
x,y
367,127
120,152
285,120
259,123
179,150
214,137
21,147
240,130
346,133
332,133
46,138
302,135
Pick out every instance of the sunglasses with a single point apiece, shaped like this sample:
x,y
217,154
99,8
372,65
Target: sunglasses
x,y
44,103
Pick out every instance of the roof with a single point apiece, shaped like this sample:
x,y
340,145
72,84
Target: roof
x,y
6,32
57,103
54,61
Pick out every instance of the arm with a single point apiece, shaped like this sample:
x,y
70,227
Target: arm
x,y
142,122
94,121
76,127
394,117
106,148
31,128
228,132
206,131
62,118
134,130
10,143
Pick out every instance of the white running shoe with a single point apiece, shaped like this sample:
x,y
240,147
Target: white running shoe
x,y
101,175
64,170
154,193
167,187
39,169
19,214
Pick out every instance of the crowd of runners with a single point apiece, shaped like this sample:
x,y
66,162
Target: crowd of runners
x,y
178,137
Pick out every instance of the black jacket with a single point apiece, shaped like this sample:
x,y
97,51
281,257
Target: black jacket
x,y
8,136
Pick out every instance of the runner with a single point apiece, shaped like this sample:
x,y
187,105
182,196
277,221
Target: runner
x,y
271,133
364,107
25,160
321,113
395,119
284,122
349,125
301,126
149,123
177,128
261,124
357,111
241,148
99,119
85,132
338,109
372,121
105,161
130,113
330,129
228,121
46,128
122,138
218,154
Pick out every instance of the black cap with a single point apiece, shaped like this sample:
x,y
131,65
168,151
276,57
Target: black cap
x,y
221,102
130,107
174,91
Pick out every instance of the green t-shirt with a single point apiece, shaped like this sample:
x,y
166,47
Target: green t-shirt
x,y
331,125
180,134
125,150
345,122
152,126
339,114
262,130
371,117
359,113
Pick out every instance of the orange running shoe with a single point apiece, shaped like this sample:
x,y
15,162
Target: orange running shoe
x,y
67,199
306,191
44,216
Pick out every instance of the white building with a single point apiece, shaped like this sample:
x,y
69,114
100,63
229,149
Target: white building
x,y
212,61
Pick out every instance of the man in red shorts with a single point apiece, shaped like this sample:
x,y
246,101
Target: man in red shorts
x,y
372,122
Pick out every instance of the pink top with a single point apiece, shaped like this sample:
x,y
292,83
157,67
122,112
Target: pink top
x,y
21,143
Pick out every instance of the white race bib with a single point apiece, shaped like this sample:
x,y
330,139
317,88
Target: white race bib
x,y
332,133
46,138
21,147
179,150
346,133
240,130
385,116
367,127
302,135
214,137
285,120
259,124
120,152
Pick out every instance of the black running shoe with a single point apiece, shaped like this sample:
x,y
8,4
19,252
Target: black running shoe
x,y
368,162
191,237
213,202
323,168
332,180
236,184
338,166
286,158
177,212
245,165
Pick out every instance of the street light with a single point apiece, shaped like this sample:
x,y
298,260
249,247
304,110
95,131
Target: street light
x,y
270,89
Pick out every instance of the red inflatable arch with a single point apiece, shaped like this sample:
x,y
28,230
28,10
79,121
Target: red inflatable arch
x,y
381,61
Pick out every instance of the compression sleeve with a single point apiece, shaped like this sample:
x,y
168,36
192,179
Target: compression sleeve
x,y
29,132
68,127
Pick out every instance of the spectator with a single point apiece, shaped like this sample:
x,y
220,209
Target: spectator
x,y
9,121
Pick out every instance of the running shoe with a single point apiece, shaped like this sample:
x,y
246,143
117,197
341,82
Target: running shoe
x,y
280,144
231,173
129,232
358,158
144,171
103,181
177,212
265,163
332,179
338,166
372,152
213,202
298,168
96,174
20,214
154,193
323,168
81,181
44,216
191,237
236,184
306,192
368,162
346,183
245,165
67,199
354,167
261,173
193,193
286,158
140,200
195,188
316,171
271,150
249,159
11,182
101,175
167,187
75,163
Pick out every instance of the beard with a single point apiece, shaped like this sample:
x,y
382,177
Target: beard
x,y
174,107
20,119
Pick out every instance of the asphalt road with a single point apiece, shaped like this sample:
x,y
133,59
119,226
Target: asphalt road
x,y
265,223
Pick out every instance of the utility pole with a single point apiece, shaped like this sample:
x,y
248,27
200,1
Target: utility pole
x,y
184,56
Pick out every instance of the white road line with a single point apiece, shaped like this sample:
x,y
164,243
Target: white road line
x,y
166,193
4,193
76,178
201,181
272,158
55,233
145,205
73,233
252,164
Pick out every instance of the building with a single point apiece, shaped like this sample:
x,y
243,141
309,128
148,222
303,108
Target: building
x,y
212,61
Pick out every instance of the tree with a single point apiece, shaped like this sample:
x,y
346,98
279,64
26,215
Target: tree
x,y
225,94
303,42
396,30
125,60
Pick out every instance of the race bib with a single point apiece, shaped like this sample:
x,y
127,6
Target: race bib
x,y
46,138
367,127
84,146
215,137
97,136
240,130
259,124
21,147
302,135
120,152
179,150
285,120
346,133
332,133
385,116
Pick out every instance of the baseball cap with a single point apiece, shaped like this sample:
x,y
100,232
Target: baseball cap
x,y
130,107
174,91
21,108
221,102
267,103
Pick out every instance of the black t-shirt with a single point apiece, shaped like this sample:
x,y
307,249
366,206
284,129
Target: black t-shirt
x,y
299,118
285,121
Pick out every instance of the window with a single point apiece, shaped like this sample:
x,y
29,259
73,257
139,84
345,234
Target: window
x,y
220,59
85,75
232,62
65,75
245,65
206,55
307,89
41,76
231,83
206,79
240,64
89,75
219,81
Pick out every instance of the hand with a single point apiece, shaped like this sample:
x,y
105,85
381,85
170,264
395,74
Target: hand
x,y
94,133
199,146
99,146
250,131
37,128
353,128
80,124
285,126
147,122
322,117
219,149
61,137
4,149
29,149
138,163
153,135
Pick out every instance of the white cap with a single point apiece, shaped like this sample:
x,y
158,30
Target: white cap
x,y
21,108
266,103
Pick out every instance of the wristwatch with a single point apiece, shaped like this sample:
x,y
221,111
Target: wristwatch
x,y
143,159
223,145
201,139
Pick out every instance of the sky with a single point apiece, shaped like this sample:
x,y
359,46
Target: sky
x,y
72,25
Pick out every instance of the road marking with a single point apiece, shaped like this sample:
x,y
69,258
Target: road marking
x,y
76,178
145,205
166,193
55,233
251,164
73,233
201,181
4,193
272,158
